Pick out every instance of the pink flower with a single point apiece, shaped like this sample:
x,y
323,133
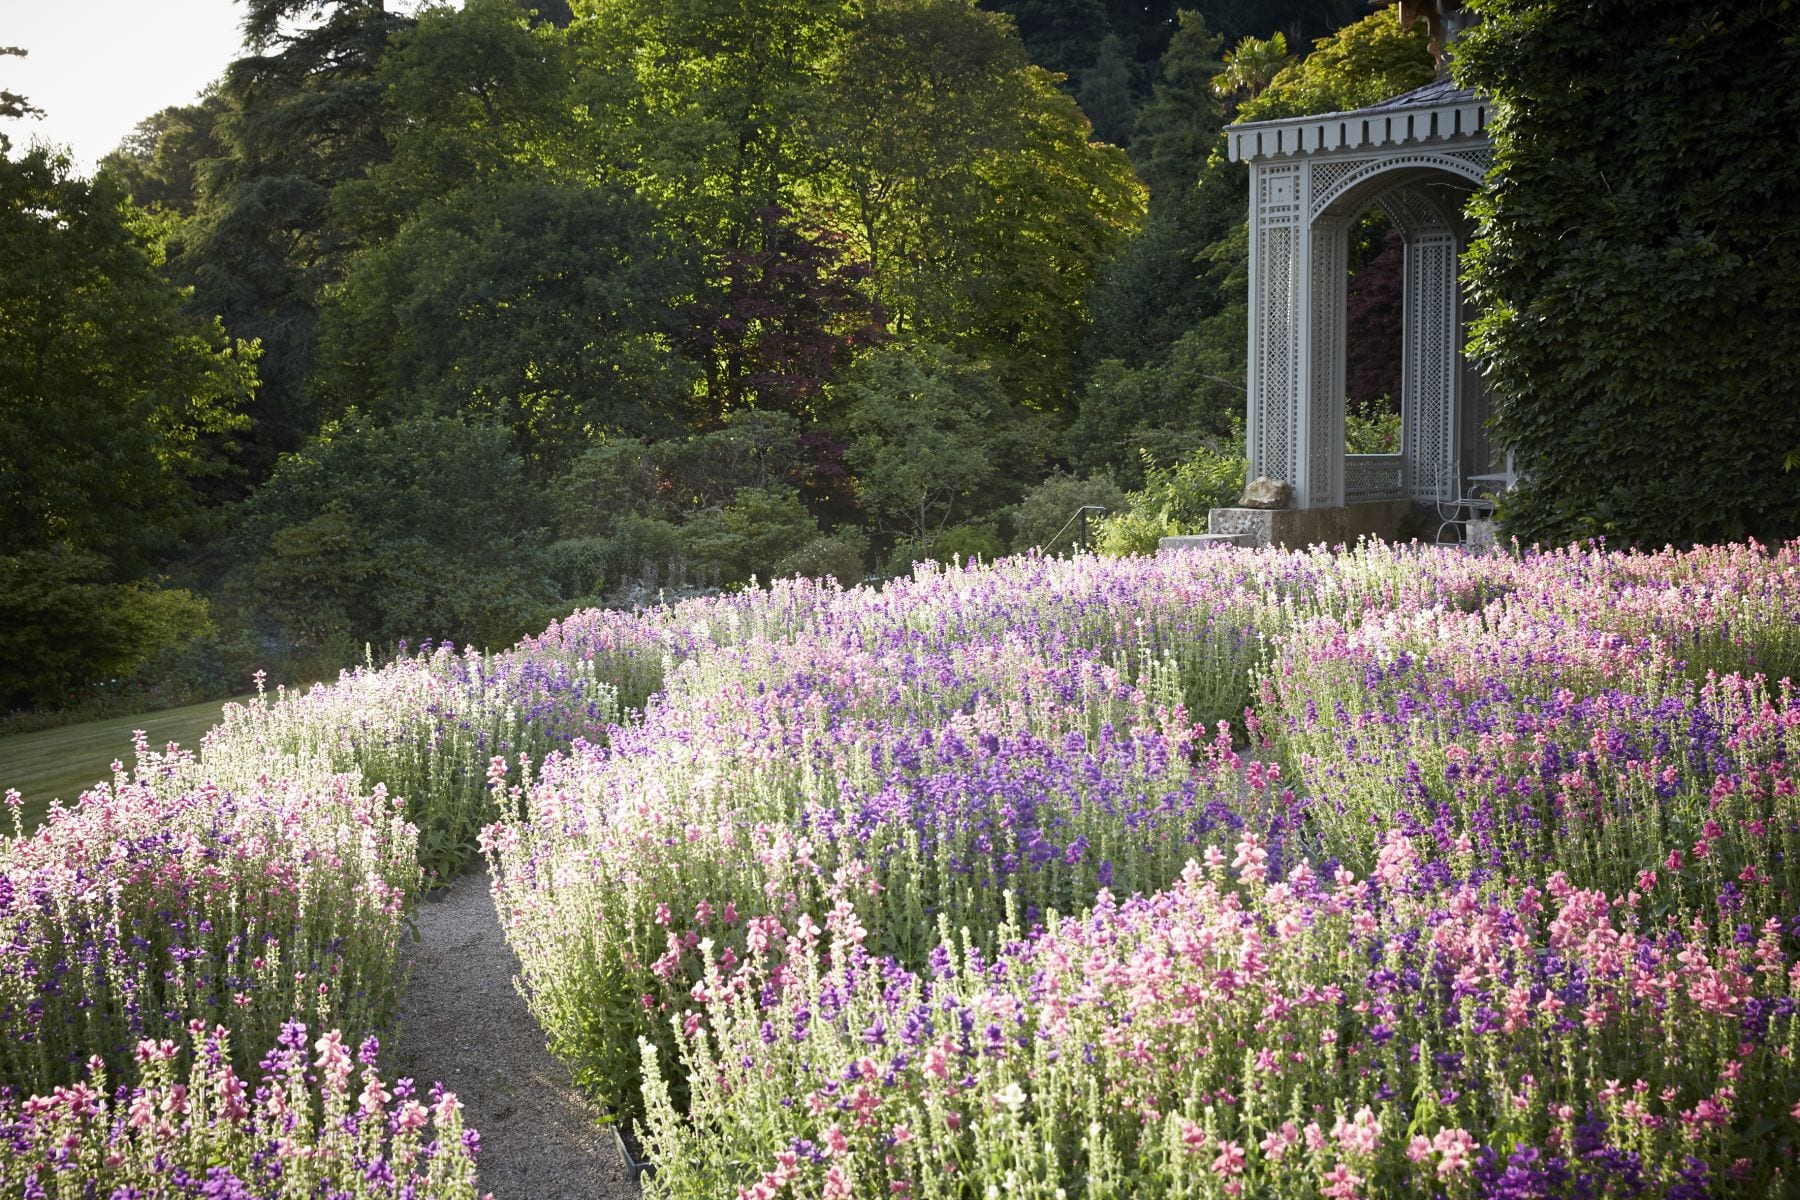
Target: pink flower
x,y
1341,1183
374,1096
1357,1136
1230,1160
1455,1145
334,1060
1276,1144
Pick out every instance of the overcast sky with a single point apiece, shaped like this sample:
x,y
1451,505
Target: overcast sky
x,y
99,67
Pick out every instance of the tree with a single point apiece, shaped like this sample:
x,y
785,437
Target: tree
x,y
163,161
925,94
1373,319
784,315
1177,129
107,397
921,443
1059,35
12,105
711,103
1361,64
1060,209
1105,93
303,112
1251,66
479,97
1638,265
544,307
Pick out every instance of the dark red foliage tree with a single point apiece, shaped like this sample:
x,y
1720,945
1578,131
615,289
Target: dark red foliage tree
x,y
1373,312
787,311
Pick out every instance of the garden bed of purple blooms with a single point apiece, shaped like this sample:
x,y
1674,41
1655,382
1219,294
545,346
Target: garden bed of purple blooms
x,y
1387,872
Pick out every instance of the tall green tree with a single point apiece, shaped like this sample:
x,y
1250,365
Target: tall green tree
x,y
1177,129
108,395
1060,209
1639,264
1362,63
925,93
1105,93
475,97
547,309
163,161
712,102
303,114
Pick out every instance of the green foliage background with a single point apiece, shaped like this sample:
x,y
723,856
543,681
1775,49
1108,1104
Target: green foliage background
x,y
439,324
1639,265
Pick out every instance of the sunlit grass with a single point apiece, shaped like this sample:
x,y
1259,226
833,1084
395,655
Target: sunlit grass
x,y
64,762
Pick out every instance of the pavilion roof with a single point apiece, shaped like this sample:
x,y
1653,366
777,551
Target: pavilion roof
x,y
1440,112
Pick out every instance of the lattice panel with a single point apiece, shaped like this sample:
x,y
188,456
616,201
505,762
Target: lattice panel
x,y
1275,399
1412,212
1323,199
1432,302
1481,158
1327,175
1374,477
1325,399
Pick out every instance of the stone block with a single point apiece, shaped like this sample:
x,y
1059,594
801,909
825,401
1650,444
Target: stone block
x,y
1298,528
1200,541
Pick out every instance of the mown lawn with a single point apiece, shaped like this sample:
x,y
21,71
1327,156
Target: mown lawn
x,y
67,761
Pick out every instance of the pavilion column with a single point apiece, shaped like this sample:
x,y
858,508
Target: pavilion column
x,y
1296,375
1324,418
1431,364
1279,244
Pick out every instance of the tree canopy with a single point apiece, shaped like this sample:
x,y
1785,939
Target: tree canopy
x,y
1638,264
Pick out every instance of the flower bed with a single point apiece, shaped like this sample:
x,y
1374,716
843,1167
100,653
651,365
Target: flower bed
x,y
309,1122
166,898
943,889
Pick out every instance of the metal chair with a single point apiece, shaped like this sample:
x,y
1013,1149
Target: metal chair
x,y
1472,499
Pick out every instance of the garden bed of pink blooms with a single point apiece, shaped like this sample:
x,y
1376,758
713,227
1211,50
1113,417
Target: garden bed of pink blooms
x,y
1368,874
1385,872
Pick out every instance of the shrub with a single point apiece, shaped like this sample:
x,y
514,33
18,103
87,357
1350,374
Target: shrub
x,y
1649,226
65,627
842,556
1175,500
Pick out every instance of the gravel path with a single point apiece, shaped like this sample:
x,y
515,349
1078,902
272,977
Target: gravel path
x,y
463,1023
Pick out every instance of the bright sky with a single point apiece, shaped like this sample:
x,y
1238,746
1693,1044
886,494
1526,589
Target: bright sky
x,y
99,67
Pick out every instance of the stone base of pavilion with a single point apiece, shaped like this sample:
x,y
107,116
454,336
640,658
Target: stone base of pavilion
x,y
1298,528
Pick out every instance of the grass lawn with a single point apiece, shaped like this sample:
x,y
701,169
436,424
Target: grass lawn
x,y
66,762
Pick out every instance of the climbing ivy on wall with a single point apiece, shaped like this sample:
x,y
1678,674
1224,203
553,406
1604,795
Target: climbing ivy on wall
x,y
1639,263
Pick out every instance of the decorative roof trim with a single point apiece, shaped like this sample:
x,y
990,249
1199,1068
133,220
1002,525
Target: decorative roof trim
x,y
1465,120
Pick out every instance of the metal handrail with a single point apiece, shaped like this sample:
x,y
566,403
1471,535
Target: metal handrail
x,y
1082,515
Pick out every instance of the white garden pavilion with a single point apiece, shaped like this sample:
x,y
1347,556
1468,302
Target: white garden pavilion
x,y
1417,157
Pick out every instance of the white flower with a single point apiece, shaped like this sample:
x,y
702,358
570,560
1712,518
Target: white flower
x,y
1012,1096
